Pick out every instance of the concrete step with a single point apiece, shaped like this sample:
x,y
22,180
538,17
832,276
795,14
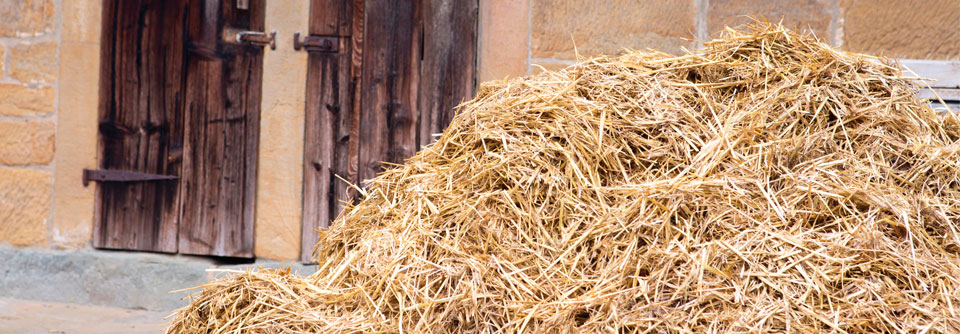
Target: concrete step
x,y
129,280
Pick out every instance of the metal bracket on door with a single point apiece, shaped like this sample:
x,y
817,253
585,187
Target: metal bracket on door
x,y
313,43
255,38
112,175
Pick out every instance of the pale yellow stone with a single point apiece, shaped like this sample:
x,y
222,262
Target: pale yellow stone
x,y
280,191
26,142
503,39
24,205
537,67
802,15
20,100
77,142
34,62
26,17
607,27
918,29
81,20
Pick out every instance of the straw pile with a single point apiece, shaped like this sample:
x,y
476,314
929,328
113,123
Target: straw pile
x,y
767,182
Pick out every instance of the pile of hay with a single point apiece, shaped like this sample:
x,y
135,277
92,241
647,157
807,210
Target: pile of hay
x,y
767,182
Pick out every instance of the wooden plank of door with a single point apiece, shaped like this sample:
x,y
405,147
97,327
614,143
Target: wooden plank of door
x,y
390,78
140,117
448,74
348,158
222,136
329,115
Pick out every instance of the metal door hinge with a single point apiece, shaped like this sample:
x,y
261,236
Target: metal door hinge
x,y
112,175
312,43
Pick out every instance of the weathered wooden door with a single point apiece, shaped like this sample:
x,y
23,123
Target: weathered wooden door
x,y
222,126
180,106
392,80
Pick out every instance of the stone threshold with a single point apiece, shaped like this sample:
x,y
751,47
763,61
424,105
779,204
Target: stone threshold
x,y
131,280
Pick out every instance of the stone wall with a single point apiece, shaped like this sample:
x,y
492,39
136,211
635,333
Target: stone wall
x,y
29,37
551,33
49,58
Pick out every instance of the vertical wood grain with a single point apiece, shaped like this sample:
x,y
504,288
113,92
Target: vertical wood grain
x,y
397,81
140,123
391,74
328,117
449,62
356,74
222,137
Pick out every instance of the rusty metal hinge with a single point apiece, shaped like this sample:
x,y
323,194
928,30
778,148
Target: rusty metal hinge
x,y
112,175
313,43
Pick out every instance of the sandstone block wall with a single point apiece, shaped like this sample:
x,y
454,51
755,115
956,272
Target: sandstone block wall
x,y
49,60
919,29
550,33
28,101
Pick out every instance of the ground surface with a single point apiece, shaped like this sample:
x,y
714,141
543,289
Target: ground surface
x,y
28,317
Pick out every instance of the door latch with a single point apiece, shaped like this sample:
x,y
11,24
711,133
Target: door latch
x,y
312,43
255,38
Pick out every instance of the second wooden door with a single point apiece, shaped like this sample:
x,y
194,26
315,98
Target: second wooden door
x,y
398,71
